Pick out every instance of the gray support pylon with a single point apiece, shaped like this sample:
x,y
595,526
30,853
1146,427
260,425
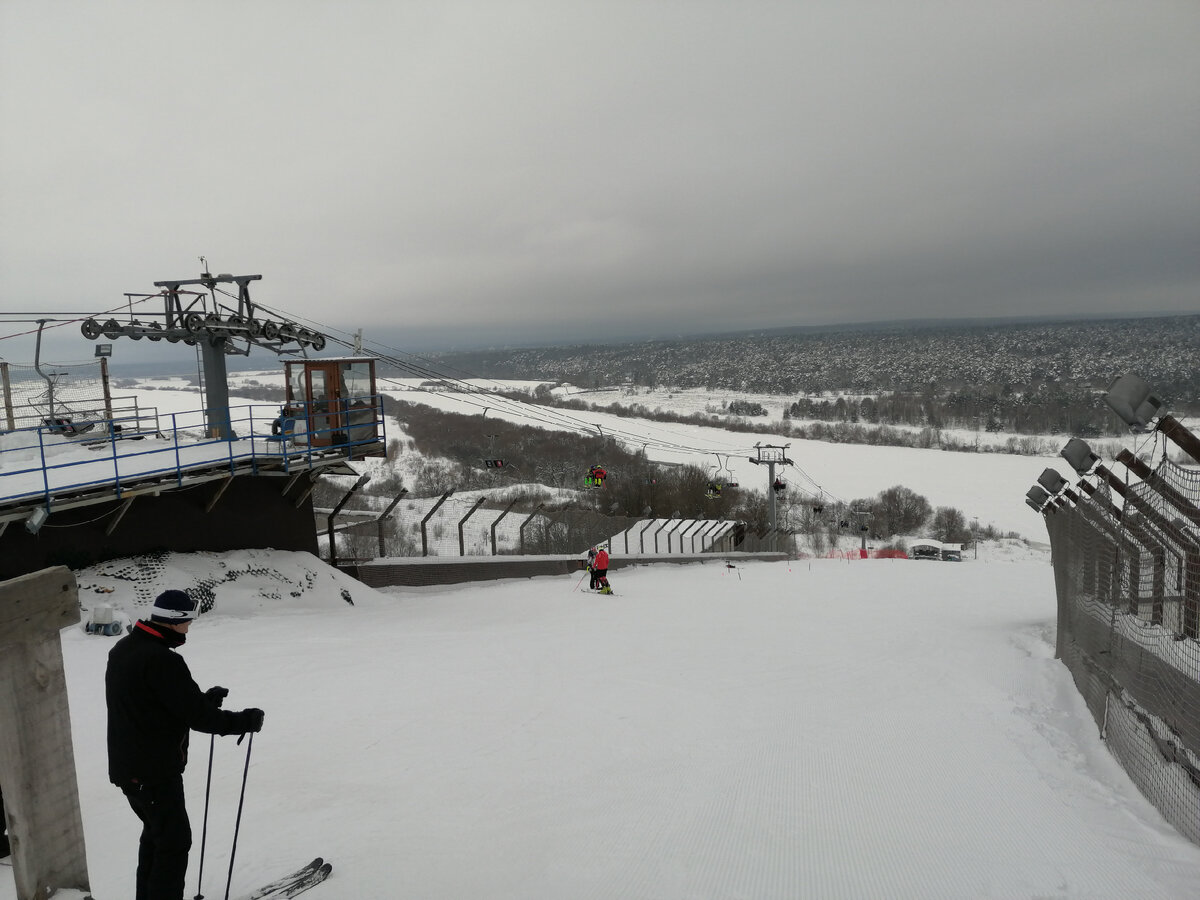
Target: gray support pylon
x,y
771,515
769,455
216,382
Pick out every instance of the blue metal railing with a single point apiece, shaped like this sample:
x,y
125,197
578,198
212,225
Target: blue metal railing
x,y
40,463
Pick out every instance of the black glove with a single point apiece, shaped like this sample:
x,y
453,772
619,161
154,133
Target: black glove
x,y
250,720
216,695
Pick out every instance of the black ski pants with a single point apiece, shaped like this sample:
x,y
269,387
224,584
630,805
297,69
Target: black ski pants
x,y
166,838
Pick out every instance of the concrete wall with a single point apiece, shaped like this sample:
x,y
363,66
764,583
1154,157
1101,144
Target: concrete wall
x,y
252,512
455,570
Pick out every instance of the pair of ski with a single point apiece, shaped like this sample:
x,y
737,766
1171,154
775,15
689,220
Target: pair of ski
x,y
287,886
296,883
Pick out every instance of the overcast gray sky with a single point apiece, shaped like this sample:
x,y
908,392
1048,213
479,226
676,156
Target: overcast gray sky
x,y
464,174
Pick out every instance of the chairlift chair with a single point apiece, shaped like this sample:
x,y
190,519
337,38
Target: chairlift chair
x,y
724,476
283,429
65,426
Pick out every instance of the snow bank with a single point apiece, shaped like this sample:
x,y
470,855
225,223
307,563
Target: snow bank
x,y
239,583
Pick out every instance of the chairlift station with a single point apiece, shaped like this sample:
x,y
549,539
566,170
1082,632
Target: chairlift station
x,y
117,482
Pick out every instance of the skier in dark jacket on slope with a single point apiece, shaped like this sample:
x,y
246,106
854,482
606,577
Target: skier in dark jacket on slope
x,y
153,704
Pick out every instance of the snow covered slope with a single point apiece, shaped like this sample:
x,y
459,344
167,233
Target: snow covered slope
x,y
831,729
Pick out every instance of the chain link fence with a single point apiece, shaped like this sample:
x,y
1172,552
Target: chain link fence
x,y
1127,577
470,525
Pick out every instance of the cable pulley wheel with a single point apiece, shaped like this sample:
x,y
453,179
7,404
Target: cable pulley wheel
x,y
194,323
270,330
112,329
91,329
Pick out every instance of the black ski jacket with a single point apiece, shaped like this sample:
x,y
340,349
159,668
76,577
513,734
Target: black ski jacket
x,y
153,704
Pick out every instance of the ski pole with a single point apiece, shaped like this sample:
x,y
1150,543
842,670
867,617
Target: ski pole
x,y
212,740
580,581
238,823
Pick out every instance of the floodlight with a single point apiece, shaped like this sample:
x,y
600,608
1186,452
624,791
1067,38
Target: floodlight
x,y
1080,456
1037,494
36,518
1130,398
1051,481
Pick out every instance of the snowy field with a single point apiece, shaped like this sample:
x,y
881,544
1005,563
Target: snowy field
x,y
824,729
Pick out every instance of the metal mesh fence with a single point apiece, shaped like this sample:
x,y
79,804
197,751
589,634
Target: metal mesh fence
x,y
1127,575
70,391
466,526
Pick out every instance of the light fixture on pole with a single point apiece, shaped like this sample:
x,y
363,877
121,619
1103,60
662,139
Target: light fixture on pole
x,y
1080,456
1051,481
1131,398
36,519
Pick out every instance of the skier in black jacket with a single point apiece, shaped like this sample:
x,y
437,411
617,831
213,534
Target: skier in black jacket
x,y
153,704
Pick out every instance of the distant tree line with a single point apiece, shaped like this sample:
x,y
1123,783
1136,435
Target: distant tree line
x,y
1048,408
1024,378
835,430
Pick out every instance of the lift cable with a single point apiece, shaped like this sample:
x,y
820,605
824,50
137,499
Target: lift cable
x,y
465,390
59,323
822,492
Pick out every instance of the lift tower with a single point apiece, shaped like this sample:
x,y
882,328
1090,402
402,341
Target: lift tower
x,y
198,318
769,455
